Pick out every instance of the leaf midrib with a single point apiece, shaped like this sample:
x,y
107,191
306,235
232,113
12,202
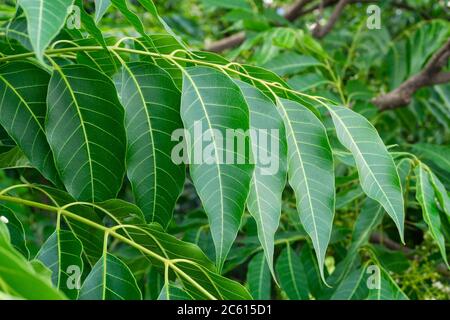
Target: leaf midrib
x,y
366,165
23,101
291,129
213,138
150,131
86,140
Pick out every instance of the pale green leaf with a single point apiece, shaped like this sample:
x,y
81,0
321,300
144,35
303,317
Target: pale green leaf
x,y
439,155
290,63
426,197
441,193
101,6
213,101
269,179
45,19
376,168
311,173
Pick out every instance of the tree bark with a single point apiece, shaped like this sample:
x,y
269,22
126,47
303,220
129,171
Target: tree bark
x,y
292,13
430,75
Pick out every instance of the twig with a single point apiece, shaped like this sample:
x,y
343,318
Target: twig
x,y
321,31
432,74
292,13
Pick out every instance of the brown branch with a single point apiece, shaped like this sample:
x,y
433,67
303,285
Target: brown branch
x,y
292,13
432,74
321,31
227,43
380,238
295,10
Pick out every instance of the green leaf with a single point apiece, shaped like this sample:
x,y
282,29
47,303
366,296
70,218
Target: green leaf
x,y
45,19
150,7
441,193
152,114
16,231
312,271
90,237
102,60
61,253
290,63
388,288
231,4
17,29
14,159
19,278
121,212
172,292
41,269
186,258
110,279
85,130
153,238
269,179
101,6
369,218
436,154
353,287
23,88
377,171
426,197
211,100
292,275
154,284
165,44
88,24
311,173
258,277
348,197
5,237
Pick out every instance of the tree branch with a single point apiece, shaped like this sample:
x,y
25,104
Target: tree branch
x,y
292,13
431,75
321,31
295,10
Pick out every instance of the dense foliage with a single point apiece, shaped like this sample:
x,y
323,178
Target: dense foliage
x,y
311,160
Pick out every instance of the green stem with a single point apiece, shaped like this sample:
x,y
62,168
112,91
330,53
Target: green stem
x,y
107,230
169,57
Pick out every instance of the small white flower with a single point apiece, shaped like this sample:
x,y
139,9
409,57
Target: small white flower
x,y
4,219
